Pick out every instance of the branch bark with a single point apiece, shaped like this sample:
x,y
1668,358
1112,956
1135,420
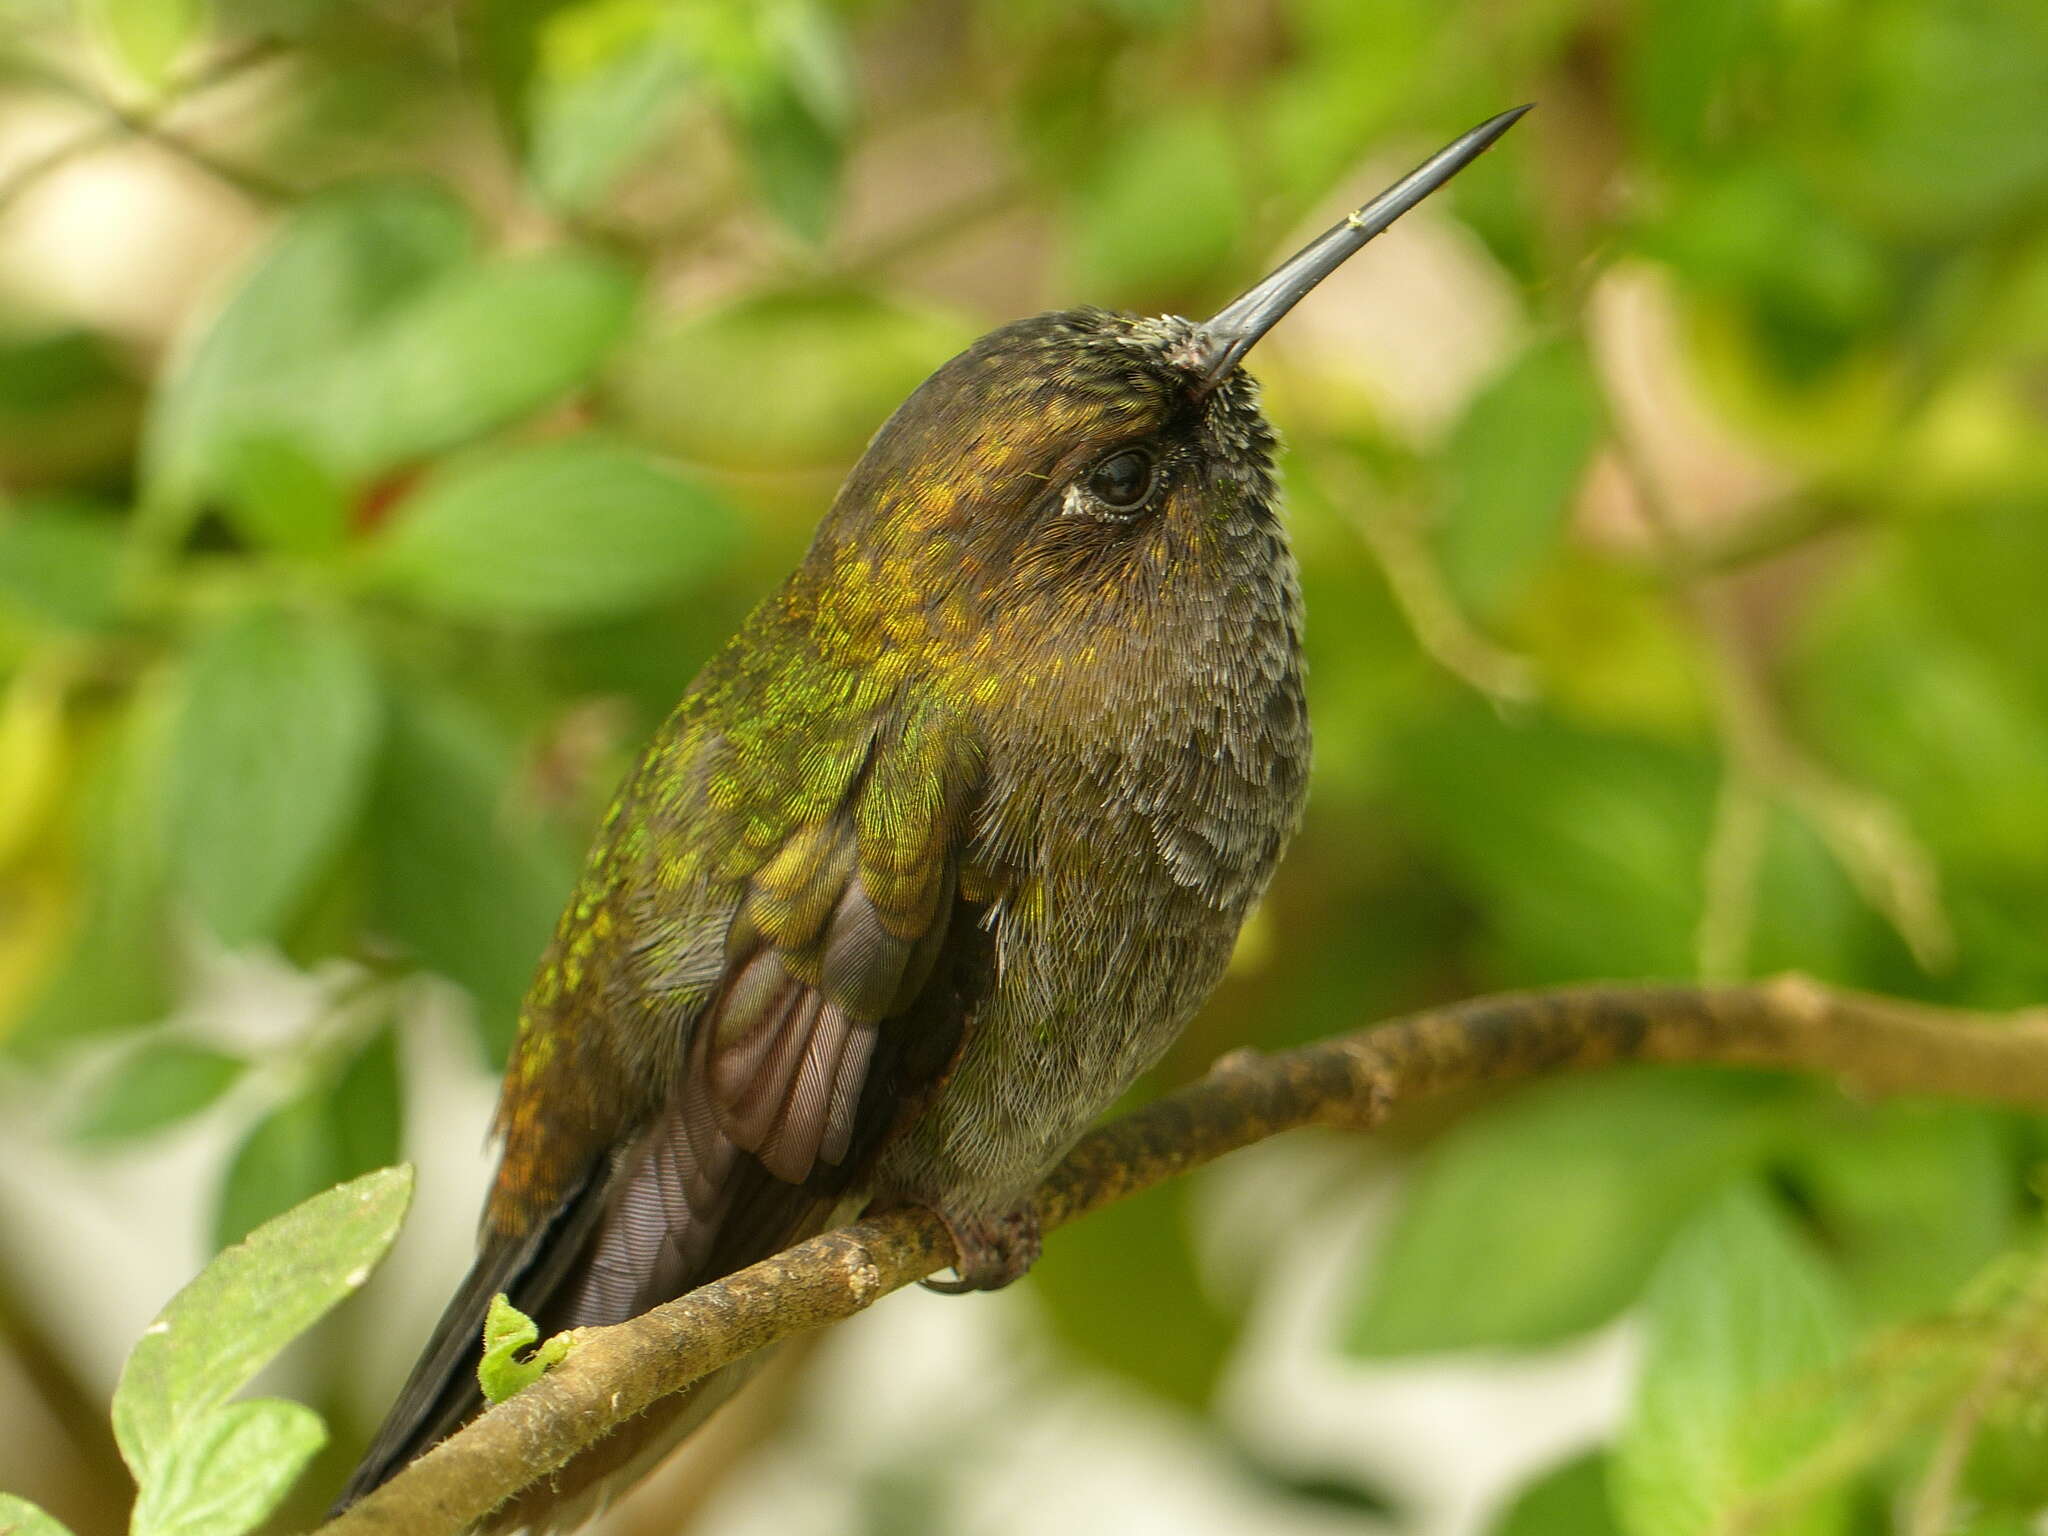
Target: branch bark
x,y
1871,1045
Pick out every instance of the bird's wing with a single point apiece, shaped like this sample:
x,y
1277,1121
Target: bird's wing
x,y
793,987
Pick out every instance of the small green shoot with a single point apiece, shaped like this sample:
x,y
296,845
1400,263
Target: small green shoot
x,y
507,1331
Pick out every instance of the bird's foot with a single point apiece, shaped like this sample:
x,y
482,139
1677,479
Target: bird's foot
x,y
989,1251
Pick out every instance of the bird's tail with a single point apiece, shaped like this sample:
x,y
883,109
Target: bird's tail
x,y
548,1275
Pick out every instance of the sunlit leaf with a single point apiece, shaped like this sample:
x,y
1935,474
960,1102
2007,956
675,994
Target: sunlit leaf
x,y
18,1517
1744,1324
229,1471
244,1307
339,263
485,345
146,36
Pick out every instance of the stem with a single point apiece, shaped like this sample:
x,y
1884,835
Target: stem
x,y
1872,1045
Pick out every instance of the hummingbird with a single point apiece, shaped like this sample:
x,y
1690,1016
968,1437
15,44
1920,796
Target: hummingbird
x,y
934,857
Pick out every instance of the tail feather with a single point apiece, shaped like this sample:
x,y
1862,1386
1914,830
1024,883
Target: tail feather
x,y
442,1391
616,1247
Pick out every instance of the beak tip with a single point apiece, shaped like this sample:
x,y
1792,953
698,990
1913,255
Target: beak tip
x,y
1228,335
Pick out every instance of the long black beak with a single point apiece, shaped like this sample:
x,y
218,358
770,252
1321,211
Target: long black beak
x,y
1227,336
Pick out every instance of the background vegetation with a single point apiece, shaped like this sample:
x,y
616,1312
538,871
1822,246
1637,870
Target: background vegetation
x,y
397,403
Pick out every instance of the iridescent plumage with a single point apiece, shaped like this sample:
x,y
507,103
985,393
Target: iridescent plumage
x,y
932,859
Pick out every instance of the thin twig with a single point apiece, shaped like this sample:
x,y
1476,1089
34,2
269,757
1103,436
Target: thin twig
x,y
1934,1502
1867,835
1393,534
1735,853
148,123
1872,1045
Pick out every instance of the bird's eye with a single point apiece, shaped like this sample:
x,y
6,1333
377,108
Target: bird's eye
x,y
1122,481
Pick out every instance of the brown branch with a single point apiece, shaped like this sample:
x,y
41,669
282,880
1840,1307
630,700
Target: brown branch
x,y
1871,1045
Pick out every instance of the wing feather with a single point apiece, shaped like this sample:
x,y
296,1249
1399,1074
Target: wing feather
x,y
722,1095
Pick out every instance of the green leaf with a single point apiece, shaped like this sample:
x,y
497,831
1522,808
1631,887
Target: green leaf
x,y
18,1517
470,882
1921,114
589,128
1570,1501
1744,1324
341,262
281,497
1898,699
1177,1343
1544,1216
164,1082
146,36
486,345
230,1471
1682,60
788,86
1162,211
1808,916
366,339
553,534
795,155
291,1153
45,374
506,40
334,1129
236,1315
1974,564
507,1331
824,368
1917,1198
60,563
120,832
270,759
1513,465
368,1107
1581,850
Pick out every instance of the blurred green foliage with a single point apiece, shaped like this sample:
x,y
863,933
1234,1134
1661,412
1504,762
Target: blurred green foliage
x,y
328,626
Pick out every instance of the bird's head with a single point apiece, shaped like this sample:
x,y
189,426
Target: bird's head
x,y
1084,457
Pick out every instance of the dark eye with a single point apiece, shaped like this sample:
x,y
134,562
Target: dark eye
x,y
1123,480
